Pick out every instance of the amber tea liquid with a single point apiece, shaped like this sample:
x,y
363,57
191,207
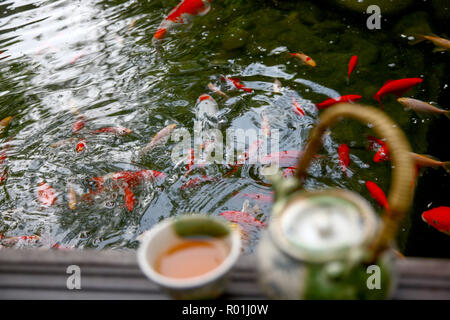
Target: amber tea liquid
x,y
192,257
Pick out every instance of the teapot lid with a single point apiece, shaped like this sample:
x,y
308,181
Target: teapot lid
x,y
324,225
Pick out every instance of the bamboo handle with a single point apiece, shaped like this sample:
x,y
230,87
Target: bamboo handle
x,y
401,192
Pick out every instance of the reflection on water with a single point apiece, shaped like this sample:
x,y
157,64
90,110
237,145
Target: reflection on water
x,y
95,58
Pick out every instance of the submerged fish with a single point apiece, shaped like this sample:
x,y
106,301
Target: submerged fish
x,y
351,66
4,123
276,86
46,194
438,218
382,153
329,102
194,182
72,197
134,178
297,108
129,198
265,124
420,106
259,197
397,87
242,218
285,158
78,125
237,83
116,130
185,11
377,194
61,143
440,43
11,241
304,58
81,145
426,161
160,138
344,157
215,89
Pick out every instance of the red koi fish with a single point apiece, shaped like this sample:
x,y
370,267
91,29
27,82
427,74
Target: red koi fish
x,y
46,194
383,152
377,194
397,87
344,157
297,108
329,102
237,83
134,178
351,66
438,218
194,182
242,218
129,198
182,13
81,145
121,131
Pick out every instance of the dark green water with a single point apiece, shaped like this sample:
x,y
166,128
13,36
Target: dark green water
x,y
121,79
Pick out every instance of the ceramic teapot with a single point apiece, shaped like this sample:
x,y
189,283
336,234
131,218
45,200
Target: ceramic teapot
x,y
330,244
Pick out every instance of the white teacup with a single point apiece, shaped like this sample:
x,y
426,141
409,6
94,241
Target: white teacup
x,y
173,231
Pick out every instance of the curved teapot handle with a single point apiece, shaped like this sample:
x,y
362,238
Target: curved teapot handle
x,y
401,192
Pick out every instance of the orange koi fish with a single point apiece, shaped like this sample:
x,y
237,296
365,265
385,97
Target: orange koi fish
x,y
329,102
72,197
4,123
46,194
116,130
185,11
377,194
383,152
440,43
297,108
426,161
81,145
420,106
438,218
160,138
237,83
351,66
344,157
215,89
304,58
397,87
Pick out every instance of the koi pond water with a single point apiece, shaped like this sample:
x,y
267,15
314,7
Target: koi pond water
x,y
75,74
